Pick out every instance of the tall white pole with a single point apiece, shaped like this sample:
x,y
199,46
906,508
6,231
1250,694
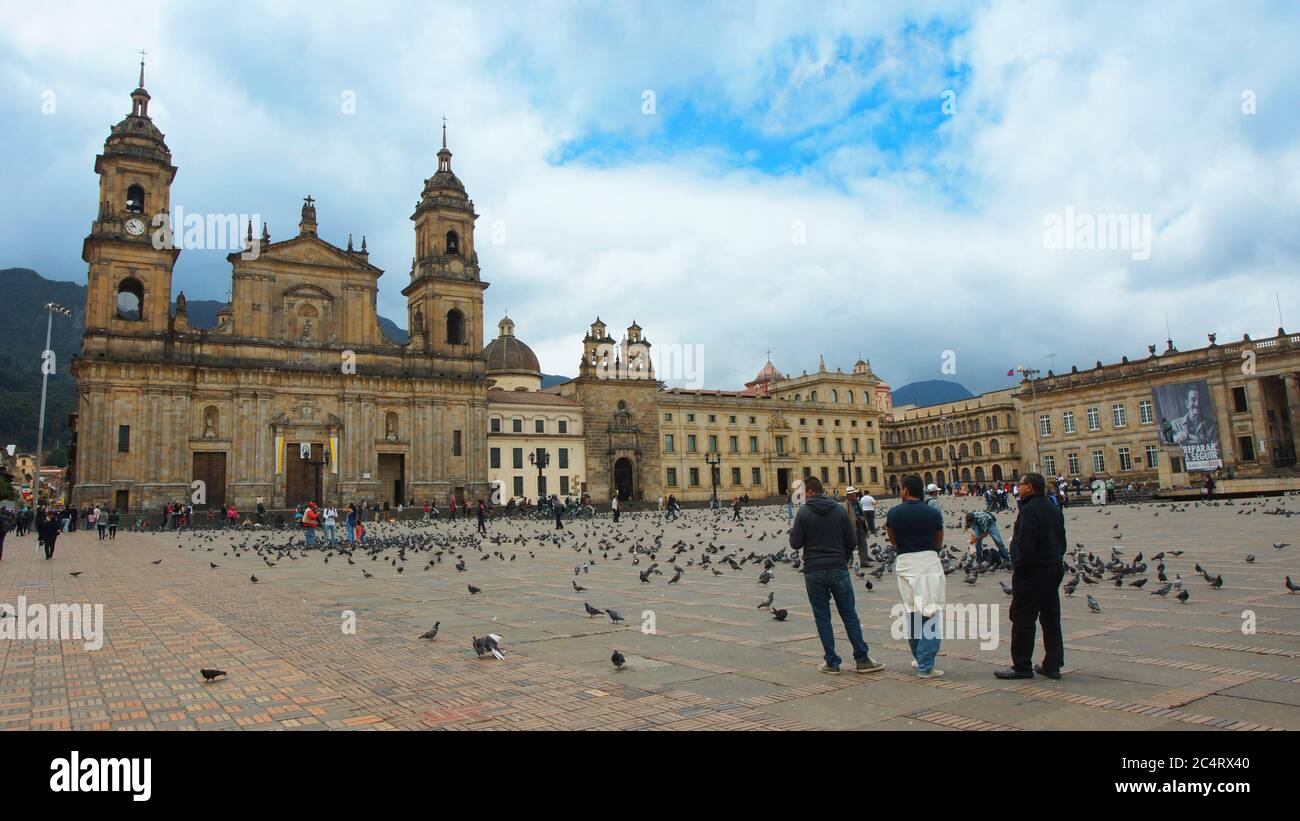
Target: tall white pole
x,y
40,425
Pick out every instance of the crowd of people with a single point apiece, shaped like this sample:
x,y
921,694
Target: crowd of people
x,y
828,534
48,522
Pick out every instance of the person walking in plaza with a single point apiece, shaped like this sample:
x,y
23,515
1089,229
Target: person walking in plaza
x,y
261,511
932,498
735,509
48,532
1038,561
867,503
823,532
480,511
915,529
101,521
310,520
981,523
331,523
114,519
6,524
854,509
616,505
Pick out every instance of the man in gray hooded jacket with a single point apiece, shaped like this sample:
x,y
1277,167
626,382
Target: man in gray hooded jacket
x,y
823,531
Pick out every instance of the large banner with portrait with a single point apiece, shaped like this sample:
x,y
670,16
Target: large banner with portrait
x,y
1187,420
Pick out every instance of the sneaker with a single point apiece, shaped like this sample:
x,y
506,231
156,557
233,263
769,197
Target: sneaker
x,y
828,669
934,673
914,664
869,666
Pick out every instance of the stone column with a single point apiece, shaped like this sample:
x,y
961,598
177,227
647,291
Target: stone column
x,y
1292,384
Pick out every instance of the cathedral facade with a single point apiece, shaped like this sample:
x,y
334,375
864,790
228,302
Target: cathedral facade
x,y
297,394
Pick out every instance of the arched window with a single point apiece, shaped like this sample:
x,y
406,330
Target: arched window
x,y
453,242
929,477
455,327
417,324
889,459
979,474
997,473
916,457
939,479
902,457
850,397
798,397
835,395
135,199
622,404
979,449
965,474
813,397
965,451
130,299
926,454
994,446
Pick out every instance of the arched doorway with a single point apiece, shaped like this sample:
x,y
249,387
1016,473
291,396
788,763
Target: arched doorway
x,y
979,474
940,477
929,477
623,478
965,474
997,473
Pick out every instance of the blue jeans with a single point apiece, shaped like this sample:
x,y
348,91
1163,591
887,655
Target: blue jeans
x,y
996,535
923,638
311,536
822,586
330,532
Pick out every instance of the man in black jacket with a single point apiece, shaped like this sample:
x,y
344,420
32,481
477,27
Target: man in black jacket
x,y
1037,559
823,531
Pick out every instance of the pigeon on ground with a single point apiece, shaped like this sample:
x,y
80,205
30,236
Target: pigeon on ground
x,y
1004,587
1250,557
1092,604
614,615
1162,590
1292,586
253,578
473,589
74,574
213,565
1217,584
578,588
592,611
618,660
767,602
488,646
1137,583
1183,596
157,562
209,675
780,615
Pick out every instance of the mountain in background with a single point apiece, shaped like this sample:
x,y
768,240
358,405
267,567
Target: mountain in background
x,y
22,340
930,392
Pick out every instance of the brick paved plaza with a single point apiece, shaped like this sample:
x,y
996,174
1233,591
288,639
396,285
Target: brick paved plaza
x,y
714,662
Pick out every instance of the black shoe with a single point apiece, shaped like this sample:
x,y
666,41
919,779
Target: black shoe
x,y
1053,674
1013,673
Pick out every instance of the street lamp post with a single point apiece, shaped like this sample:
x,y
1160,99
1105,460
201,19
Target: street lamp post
x,y
848,459
541,459
713,460
1031,374
51,308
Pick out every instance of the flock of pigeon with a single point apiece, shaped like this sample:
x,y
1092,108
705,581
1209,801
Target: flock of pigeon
x,y
396,547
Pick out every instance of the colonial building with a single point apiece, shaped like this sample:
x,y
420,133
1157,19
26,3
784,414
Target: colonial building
x,y
969,440
536,445
643,440
1167,417
297,394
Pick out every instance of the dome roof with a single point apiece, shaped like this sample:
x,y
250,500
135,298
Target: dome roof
x,y
769,373
507,354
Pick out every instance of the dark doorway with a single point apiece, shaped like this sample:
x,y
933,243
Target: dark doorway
x,y
122,500
302,477
783,481
210,468
623,478
391,471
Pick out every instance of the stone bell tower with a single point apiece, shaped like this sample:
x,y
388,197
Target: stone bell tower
x,y
130,249
445,296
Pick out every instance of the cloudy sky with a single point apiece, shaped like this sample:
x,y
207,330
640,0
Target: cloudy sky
x,y
813,178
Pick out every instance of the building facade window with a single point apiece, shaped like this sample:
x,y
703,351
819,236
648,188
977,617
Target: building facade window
x,y
1146,413
670,477
1153,457
1072,460
1045,424
1125,461
124,438
1049,465
1067,422
668,443
1094,419
1119,415
494,458
1098,462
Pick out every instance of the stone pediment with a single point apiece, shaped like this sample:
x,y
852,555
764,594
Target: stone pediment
x,y
308,250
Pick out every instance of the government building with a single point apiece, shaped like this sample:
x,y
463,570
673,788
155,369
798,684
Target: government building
x,y
297,395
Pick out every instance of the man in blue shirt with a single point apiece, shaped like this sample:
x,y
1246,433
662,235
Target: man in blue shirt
x,y
915,530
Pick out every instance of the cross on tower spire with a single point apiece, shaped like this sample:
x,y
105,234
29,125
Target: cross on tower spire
x,y
142,54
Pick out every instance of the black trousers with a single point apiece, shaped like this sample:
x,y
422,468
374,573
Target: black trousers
x,y
49,548
1036,599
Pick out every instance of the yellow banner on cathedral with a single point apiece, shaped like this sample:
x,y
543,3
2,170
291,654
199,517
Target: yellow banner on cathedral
x,y
279,455
334,455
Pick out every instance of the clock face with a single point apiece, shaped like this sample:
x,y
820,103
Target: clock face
x,y
135,226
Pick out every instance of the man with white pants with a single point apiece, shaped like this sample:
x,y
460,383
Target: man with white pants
x,y
915,529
